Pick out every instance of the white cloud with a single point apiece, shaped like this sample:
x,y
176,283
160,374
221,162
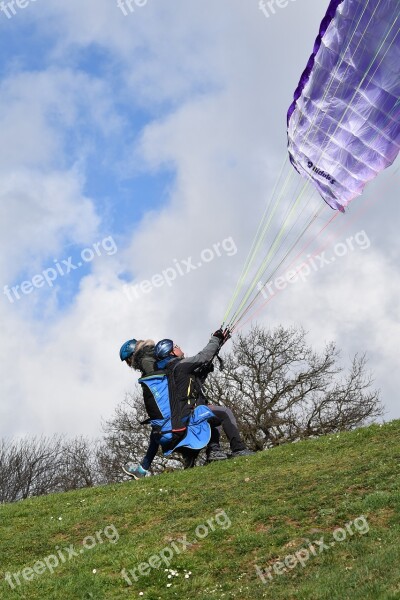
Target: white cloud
x,y
38,110
43,204
353,302
226,76
38,214
66,375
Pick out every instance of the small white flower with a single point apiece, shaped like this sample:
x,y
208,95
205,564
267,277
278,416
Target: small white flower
x,y
140,593
187,576
169,576
94,571
169,584
60,518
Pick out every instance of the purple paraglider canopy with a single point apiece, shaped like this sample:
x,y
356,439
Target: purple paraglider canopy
x,y
344,122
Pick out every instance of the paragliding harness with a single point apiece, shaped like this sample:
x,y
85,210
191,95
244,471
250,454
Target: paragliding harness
x,y
169,416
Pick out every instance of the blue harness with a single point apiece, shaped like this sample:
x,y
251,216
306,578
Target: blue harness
x,y
193,432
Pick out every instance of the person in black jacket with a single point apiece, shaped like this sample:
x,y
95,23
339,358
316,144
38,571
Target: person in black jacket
x,y
139,355
188,375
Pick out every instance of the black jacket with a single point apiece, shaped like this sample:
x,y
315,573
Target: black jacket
x,y
185,382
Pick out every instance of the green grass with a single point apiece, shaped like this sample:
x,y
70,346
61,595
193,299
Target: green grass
x,y
264,509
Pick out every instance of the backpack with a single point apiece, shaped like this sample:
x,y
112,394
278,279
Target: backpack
x,y
177,423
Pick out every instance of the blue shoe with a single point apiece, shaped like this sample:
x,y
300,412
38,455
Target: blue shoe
x,y
136,472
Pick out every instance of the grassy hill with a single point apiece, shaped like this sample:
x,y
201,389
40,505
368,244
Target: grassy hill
x,y
320,519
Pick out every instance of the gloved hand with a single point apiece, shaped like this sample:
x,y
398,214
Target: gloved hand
x,y
204,370
223,336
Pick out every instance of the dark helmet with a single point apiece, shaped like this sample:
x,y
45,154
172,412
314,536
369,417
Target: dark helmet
x,y
127,349
163,349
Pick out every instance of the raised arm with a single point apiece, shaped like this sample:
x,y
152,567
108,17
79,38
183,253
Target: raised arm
x,y
204,356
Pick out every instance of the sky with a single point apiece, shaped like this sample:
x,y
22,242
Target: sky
x,y
133,142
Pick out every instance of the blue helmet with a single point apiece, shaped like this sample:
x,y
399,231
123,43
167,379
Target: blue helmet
x,y
127,349
163,348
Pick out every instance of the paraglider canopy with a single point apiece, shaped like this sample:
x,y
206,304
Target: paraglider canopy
x,y
344,122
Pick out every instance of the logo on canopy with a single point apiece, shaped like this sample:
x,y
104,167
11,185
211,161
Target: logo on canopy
x,y
321,172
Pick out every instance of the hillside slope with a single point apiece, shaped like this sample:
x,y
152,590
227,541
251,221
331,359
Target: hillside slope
x,y
315,520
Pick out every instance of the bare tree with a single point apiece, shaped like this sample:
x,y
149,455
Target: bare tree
x,y
78,465
9,487
29,467
281,390
39,466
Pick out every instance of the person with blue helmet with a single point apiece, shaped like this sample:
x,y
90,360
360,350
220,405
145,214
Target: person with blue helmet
x,y
186,372
127,349
139,354
192,371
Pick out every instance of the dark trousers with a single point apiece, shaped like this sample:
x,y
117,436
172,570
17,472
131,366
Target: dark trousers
x,y
151,451
224,418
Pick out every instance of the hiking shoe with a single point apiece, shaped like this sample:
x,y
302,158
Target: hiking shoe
x,y
245,452
189,457
134,471
216,455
